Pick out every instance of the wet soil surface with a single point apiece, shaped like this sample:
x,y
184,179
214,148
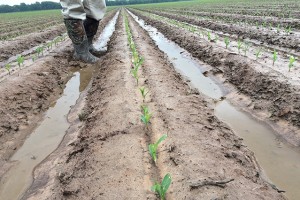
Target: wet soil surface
x,y
30,92
294,23
268,90
20,44
271,38
109,159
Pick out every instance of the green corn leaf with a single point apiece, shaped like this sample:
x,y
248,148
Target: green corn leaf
x,y
166,183
162,138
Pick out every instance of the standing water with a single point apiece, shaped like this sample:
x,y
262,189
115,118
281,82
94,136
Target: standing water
x,y
279,160
47,136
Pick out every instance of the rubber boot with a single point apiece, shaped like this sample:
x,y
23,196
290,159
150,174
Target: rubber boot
x,y
91,27
79,39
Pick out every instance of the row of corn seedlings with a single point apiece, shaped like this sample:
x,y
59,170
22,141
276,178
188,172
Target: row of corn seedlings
x,y
37,53
243,46
137,61
227,19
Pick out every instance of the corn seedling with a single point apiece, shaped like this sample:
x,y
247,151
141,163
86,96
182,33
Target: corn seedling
x,y
216,38
153,147
34,56
278,28
275,56
146,116
143,92
8,67
246,48
239,43
288,29
135,74
257,25
49,45
291,63
208,36
258,53
39,51
227,41
20,60
161,189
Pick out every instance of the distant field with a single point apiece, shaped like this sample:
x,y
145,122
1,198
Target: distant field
x,y
284,9
21,23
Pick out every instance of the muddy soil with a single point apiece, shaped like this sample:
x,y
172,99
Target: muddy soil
x,y
106,160
270,38
294,23
270,92
109,158
30,92
18,45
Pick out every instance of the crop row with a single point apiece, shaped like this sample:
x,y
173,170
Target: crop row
x,y
25,25
137,62
240,46
271,38
272,22
256,8
39,51
24,31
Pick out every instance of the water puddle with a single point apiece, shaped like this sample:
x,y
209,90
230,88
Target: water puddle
x,y
47,136
41,142
101,43
279,160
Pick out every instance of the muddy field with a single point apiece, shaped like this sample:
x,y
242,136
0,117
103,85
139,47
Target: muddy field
x,y
102,150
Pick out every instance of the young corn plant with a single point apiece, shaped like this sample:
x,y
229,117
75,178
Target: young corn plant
x,y
275,56
39,51
161,189
8,67
288,29
143,92
49,45
246,48
258,53
135,74
291,63
239,45
278,28
20,60
153,147
33,58
227,42
208,36
146,115
216,38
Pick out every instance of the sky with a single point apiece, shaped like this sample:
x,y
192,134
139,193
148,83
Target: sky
x,y
17,2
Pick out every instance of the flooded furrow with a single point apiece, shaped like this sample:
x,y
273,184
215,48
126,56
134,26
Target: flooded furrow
x,y
279,160
50,132
40,143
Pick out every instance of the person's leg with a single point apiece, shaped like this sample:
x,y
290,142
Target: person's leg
x,y
74,15
73,9
95,10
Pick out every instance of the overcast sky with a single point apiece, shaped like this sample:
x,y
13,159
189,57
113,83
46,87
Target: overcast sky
x,y
17,2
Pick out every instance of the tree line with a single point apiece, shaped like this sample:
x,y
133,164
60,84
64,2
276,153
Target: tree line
x,y
48,5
